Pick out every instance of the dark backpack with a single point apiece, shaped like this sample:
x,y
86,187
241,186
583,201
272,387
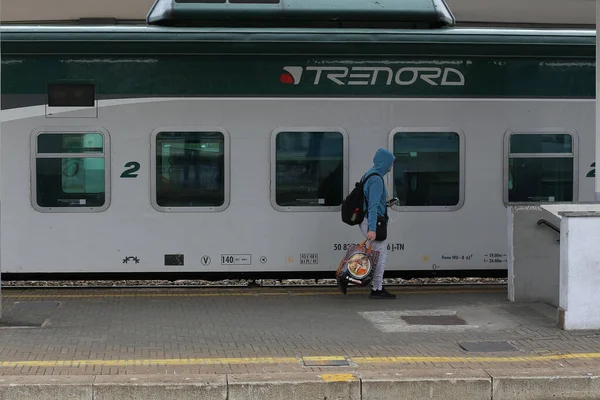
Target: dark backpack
x,y
352,206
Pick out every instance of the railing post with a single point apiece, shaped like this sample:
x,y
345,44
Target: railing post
x,y
597,102
0,198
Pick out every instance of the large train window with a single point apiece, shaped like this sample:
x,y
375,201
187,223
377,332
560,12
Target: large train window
x,y
70,170
428,173
308,169
541,167
190,170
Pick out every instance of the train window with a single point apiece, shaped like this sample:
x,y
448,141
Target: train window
x,y
428,173
70,171
541,167
309,170
541,143
70,143
191,170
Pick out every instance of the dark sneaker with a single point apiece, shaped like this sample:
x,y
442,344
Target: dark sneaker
x,y
342,285
381,294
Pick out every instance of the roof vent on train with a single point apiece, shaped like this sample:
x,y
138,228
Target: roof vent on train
x,y
406,14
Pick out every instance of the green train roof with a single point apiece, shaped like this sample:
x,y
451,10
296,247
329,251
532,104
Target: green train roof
x,y
302,13
130,40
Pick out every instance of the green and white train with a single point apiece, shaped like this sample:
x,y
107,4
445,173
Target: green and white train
x,y
220,139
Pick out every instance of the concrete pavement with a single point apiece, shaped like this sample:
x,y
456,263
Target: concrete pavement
x,y
467,343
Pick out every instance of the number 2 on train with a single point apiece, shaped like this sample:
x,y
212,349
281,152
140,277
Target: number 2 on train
x,y
134,167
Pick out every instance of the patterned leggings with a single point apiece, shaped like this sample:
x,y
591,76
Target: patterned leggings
x,y
382,248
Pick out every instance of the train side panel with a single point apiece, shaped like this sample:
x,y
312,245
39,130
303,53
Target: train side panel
x,y
250,234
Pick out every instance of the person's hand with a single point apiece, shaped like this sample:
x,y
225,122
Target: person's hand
x,y
371,235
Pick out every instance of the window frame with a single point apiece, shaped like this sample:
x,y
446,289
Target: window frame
x,y
106,155
461,166
273,167
226,168
540,131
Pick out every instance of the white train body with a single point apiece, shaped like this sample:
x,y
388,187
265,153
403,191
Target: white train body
x,y
250,233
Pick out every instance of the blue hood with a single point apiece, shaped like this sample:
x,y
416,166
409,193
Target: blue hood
x,y
374,188
383,160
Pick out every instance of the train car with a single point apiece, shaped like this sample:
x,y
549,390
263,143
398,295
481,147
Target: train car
x,y
219,140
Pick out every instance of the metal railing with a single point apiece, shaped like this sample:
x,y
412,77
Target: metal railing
x,y
551,226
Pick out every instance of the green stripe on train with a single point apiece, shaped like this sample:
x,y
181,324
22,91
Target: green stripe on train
x,y
148,61
227,75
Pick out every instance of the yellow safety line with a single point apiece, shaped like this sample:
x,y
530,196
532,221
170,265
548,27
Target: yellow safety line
x,y
291,360
233,294
552,357
339,377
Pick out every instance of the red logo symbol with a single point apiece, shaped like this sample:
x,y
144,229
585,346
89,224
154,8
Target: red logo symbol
x,y
286,78
291,76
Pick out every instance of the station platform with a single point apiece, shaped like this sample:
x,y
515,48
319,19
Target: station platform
x,y
266,334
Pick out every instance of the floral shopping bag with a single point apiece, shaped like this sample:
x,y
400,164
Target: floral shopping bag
x,y
357,266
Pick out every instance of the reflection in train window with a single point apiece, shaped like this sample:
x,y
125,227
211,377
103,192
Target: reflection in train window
x,y
70,171
190,169
540,167
309,169
427,169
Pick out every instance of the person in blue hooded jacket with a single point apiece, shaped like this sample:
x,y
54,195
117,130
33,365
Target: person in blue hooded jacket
x,y
375,207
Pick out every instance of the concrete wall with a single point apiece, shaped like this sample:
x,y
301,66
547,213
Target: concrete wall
x,y
413,384
565,275
580,271
533,256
